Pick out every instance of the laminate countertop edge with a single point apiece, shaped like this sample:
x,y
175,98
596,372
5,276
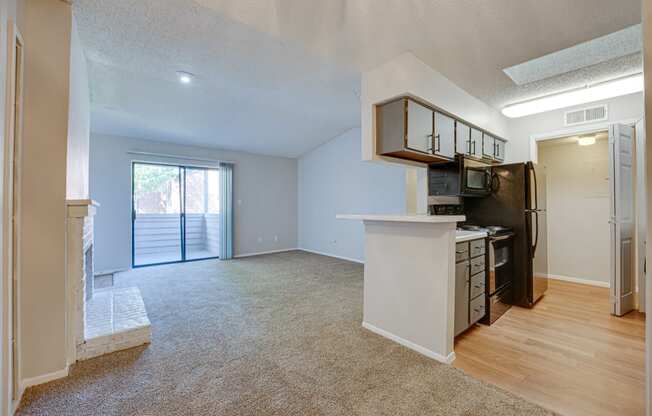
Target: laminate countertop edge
x,y
432,219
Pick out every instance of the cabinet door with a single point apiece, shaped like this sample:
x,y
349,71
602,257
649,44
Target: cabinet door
x,y
488,146
419,127
500,149
462,289
463,138
476,143
444,143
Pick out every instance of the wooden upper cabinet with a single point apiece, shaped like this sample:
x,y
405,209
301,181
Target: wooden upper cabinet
x,y
444,139
462,138
410,129
493,148
419,128
488,146
476,143
500,149
405,129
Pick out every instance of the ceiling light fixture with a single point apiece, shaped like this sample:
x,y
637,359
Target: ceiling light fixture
x,y
586,141
185,77
590,93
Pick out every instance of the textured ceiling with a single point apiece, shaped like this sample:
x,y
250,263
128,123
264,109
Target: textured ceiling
x,y
596,51
281,76
252,92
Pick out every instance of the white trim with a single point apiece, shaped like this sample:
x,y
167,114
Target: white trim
x,y
45,378
579,280
321,253
572,131
180,157
411,345
14,84
260,253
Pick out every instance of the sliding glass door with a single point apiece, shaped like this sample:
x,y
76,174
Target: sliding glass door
x,y
175,215
202,213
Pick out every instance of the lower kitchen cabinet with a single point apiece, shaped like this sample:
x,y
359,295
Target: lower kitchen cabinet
x,y
462,287
470,272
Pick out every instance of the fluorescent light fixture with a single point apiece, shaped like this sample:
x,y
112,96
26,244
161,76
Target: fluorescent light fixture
x,y
590,93
586,141
185,77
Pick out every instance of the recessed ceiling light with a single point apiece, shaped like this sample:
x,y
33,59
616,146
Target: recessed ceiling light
x,y
586,141
590,93
185,77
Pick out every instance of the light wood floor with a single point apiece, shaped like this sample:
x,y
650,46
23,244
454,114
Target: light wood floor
x,y
567,354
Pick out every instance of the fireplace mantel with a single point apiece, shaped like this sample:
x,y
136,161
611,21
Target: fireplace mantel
x,y
80,208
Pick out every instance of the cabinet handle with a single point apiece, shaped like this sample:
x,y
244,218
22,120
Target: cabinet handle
x,y
438,143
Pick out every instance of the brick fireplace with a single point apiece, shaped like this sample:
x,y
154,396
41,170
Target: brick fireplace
x,y
100,321
79,251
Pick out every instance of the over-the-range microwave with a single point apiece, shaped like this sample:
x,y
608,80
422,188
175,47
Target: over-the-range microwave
x,y
461,178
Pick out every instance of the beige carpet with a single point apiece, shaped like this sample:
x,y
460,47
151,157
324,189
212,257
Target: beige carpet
x,y
269,335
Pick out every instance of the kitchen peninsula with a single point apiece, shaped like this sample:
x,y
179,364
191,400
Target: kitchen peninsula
x,y
409,280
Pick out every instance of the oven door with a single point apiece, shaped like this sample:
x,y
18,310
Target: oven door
x,y
500,262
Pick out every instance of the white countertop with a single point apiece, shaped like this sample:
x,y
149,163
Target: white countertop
x,y
465,235
404,218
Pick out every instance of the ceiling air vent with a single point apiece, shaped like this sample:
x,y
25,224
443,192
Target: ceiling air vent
x,y
585,115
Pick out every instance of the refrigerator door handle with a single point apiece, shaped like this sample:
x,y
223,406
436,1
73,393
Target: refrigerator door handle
x,y
536,200
536,236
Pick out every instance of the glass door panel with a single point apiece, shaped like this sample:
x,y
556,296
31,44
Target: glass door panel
x,y
156,215
201,213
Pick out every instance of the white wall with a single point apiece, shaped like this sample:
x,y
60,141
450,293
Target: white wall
x,y
266,187
46,27
578,209
333,180
520,130
79,122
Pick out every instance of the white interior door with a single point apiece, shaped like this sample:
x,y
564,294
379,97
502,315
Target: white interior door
x,y
621,142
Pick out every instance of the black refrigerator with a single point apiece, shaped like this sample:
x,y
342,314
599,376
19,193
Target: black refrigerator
x,y
518,200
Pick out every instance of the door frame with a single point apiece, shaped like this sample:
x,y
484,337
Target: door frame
x,y
182,215
573,131
11,219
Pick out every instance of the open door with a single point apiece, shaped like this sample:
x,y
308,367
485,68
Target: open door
x,y
622,266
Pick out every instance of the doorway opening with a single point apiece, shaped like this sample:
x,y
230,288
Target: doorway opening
x,y
593,233
175,213
574,171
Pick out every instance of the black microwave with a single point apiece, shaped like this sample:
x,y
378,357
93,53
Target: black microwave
x,y
463,177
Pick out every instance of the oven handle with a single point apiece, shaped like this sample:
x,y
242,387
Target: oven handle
x,y
500,238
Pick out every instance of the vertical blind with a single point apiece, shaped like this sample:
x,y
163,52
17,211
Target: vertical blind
x,y
226,219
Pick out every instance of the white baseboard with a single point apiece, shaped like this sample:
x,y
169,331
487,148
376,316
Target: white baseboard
x,y
45,378
411,345
331,255
260,253
19,397
579,280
